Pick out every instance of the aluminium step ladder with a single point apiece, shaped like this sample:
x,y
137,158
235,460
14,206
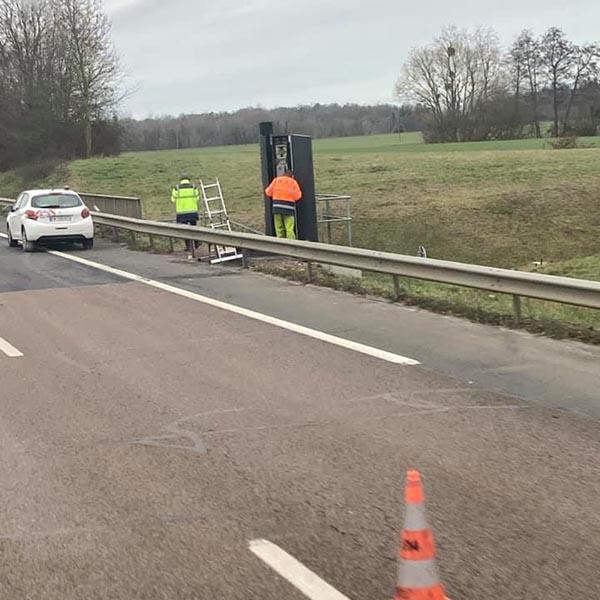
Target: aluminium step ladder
x,y
216,216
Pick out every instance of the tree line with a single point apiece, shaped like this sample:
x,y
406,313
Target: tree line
x,y
241,127
59,81
467,87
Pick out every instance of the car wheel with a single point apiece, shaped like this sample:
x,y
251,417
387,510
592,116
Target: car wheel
x,y
27,245
11,242
88,244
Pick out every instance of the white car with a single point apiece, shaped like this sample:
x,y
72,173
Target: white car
x,y
46,216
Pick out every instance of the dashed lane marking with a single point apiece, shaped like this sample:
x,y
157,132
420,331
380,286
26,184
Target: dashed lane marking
x,y
303,579
251,314
9,349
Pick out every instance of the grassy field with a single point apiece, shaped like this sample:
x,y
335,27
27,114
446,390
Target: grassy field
x,y
505,203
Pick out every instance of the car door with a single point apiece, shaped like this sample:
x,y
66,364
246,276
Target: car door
x,y
12,217
15,217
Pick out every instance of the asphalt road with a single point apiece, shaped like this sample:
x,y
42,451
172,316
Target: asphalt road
x,y
146,438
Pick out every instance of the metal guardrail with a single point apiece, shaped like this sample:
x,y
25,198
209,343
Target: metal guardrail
x,y
565,290
124,206
115,205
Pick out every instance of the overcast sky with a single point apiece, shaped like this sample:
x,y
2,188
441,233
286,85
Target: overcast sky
x,y
200,55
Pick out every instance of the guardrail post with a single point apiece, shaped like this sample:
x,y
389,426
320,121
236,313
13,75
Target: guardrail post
x,y
349,217
132,239
397,288
310,271
171,246
517,309
152,247
328,209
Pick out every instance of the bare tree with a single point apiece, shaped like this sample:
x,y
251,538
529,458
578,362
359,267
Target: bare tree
x,y
23,27
585,69
96,70
421,83
26,76
454,78
58,80
558,55
526,57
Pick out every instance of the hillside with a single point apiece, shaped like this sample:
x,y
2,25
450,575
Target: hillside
x,y
493,203
504,204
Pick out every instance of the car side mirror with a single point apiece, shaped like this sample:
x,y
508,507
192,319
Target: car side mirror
x,y
12,209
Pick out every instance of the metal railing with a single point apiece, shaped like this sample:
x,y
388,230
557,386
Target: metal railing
x,y
115,205
565,290
334,209
124,206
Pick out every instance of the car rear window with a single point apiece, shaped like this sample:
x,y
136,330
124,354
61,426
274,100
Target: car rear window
x,y
56,201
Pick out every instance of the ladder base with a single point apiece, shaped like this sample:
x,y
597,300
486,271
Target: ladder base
x,y
221,259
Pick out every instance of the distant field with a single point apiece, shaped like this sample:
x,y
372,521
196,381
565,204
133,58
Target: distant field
x,y
495,203
413,142
502,203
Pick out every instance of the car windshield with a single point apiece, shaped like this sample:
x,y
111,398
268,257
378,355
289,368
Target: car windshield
x,y
56,201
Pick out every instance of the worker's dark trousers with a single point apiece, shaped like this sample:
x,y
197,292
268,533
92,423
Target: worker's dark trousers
x,y
188,219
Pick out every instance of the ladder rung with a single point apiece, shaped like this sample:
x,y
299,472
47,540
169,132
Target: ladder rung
x,y
213,199
217,212
226,251
212,185
227,258
220,226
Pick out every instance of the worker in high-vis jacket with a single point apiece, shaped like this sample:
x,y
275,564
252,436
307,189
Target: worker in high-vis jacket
x,y
186,196
285,194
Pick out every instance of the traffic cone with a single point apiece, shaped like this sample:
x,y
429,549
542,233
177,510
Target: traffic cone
x,y
418,577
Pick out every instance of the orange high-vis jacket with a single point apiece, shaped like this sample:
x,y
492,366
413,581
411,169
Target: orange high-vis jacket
x,y
285,192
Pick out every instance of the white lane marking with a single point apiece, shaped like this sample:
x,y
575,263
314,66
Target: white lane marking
x,y
307,331
9,349
303,579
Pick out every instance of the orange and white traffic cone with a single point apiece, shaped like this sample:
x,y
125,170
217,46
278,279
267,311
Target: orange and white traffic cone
x,y
418,577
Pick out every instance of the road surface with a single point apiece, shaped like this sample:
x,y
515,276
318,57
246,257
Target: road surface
x,y
148,436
